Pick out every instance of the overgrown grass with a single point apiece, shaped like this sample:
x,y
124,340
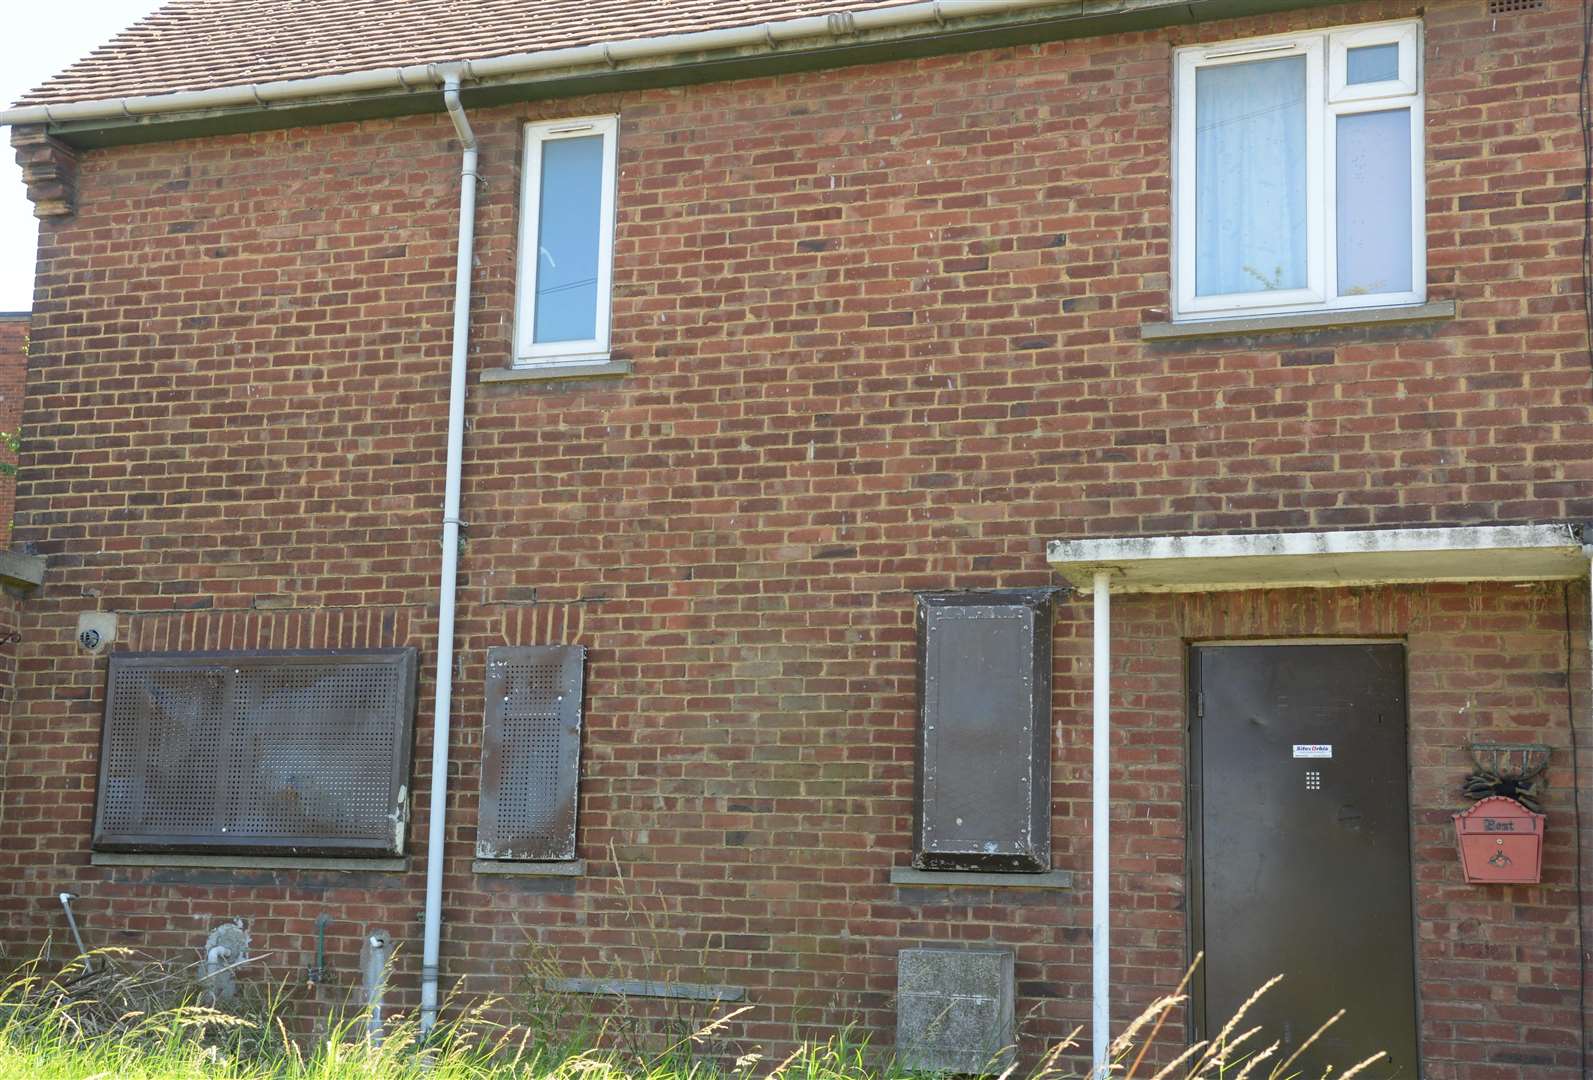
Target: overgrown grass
x,y
126,1020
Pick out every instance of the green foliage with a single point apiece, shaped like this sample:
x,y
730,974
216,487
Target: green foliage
x,y
128,1020
10,442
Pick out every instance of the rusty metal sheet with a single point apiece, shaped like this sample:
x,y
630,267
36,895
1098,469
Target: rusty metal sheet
x,y
982,788
282,751
531,752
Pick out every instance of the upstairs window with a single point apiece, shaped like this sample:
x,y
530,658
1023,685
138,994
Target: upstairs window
x,y
1298,173
566,242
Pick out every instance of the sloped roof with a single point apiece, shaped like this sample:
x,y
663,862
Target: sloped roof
x,y
203,44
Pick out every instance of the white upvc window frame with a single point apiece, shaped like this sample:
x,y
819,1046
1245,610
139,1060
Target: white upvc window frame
x,y
1328,96
528,353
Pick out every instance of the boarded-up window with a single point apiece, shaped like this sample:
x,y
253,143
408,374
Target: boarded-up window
x,y
531,752
983,783
283,752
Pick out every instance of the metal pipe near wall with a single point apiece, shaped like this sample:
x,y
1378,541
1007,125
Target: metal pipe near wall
x,y
1101,831
66,899
374,957
431,942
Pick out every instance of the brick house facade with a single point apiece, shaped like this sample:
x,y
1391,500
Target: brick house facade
x,y
13,372
884,328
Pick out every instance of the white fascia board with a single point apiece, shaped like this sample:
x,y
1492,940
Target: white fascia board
x,y
1323,559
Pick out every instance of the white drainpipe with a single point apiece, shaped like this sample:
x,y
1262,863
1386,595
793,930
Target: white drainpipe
x,y
1101,830
435,838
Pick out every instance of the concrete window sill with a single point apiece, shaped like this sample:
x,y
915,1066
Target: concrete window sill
x,y
1053,879
573,868
1433,311
21,573
249,862
596,369
646,988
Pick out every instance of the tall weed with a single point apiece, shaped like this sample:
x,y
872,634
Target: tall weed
x,y
127,1019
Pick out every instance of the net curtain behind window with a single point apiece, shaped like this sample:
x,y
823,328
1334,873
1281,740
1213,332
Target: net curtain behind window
x,y
1250,182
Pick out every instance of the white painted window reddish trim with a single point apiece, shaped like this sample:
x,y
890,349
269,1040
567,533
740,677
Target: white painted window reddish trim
x,y
528,353
1328,97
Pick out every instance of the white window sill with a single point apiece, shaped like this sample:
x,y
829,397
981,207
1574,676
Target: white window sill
x,y
646,988
1433,311
590,369
573,868
249,862
1053,879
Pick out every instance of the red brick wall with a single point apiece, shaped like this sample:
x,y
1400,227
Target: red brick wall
x,y
13,371
884,325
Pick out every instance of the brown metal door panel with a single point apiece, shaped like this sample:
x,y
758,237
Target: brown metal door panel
x,y
531,752
1303,860
983,777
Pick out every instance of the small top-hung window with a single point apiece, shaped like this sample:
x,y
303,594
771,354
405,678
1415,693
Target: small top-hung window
x,y
566,242
1298,173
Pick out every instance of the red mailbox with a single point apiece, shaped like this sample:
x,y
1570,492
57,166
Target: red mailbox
x,y
1501,842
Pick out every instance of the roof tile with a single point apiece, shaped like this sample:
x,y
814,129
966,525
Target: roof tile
x,y
203,44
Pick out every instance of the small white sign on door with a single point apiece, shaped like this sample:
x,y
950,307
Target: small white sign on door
x,y
1313,750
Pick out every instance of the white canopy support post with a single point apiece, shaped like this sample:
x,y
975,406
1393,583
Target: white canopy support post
x,y
1100,841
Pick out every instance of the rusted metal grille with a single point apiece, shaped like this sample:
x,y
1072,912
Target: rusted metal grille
x,y
270,751
983,782
531,752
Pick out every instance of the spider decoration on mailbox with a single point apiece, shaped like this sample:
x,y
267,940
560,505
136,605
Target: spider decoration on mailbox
x,y
1510,772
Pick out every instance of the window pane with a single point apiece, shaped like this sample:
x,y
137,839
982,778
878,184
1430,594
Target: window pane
x,y
567,239
1374,202
1371,64
1250,213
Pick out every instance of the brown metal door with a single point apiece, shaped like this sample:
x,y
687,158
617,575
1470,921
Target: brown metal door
x,y
1300,849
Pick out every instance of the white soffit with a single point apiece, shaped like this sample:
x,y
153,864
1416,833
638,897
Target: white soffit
x,y
1323,559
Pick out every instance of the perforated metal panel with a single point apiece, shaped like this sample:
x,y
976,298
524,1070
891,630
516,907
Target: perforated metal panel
x,y
270,751
531,752
983,782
